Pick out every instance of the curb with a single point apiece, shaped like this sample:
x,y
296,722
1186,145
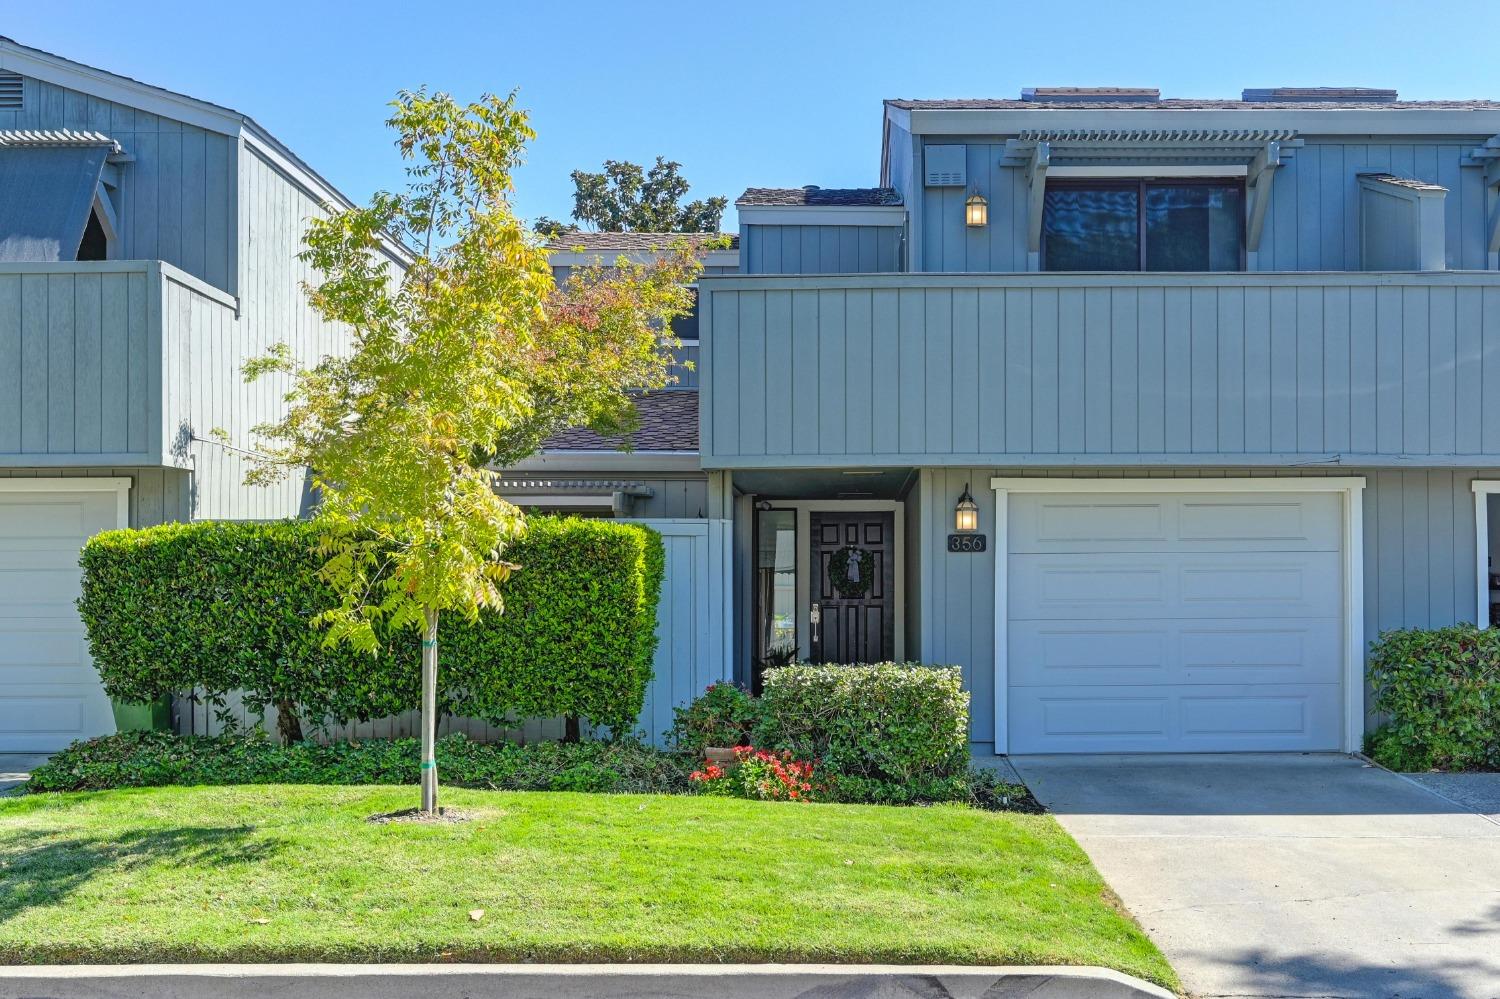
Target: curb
x,y
572,981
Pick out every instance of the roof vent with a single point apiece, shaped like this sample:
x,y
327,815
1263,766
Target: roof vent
x,y
1085,95
10,91
1318,95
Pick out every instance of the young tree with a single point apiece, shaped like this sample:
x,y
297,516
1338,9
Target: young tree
x,y
469,354
625,198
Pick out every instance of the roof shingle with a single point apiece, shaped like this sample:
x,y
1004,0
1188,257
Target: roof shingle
x,y
820,196
627,241
669,422
1179,104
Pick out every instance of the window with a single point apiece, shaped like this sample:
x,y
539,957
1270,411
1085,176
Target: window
x,y
1143,225
95,243
685,327
775,590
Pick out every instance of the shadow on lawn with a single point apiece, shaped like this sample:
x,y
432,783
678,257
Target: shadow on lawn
x,y
40,868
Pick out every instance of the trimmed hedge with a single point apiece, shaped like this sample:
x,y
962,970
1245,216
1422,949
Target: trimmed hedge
x,y
1440,689
158,759
871,725
225,606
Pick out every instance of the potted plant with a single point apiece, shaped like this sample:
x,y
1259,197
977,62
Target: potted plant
x,y
715,723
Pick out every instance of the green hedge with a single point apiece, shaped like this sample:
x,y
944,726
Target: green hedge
x,y
224,606
1440,690
889,723
159,759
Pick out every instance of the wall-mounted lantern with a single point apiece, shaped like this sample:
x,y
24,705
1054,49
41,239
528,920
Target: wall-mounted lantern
x,y
966,513
976,211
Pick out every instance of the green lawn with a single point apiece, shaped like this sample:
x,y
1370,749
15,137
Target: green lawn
x,y
297,873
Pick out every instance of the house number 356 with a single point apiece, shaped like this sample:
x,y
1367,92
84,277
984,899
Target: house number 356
x,y
966,543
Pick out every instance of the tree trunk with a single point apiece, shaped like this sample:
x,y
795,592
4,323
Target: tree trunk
x,y
288,725
429,713
571,730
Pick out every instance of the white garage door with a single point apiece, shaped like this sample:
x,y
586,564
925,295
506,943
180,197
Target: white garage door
x,y
49,691
1175,622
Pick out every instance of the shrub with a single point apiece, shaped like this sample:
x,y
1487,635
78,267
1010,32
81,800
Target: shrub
x,y
1440,689
759,775
154,759
721,716
889,722
225,606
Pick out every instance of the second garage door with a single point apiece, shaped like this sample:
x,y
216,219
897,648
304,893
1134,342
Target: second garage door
x,y
50,693
1175,622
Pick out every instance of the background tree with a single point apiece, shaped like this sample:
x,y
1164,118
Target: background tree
x,y
470,353
625,198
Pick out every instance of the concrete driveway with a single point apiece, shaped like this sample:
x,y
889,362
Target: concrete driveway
x,y
1291,876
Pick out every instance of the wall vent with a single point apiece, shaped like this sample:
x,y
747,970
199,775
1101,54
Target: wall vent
x,y
10,91
1318,95
1087,95
947,166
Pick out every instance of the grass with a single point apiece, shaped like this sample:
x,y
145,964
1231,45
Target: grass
x,y
293,872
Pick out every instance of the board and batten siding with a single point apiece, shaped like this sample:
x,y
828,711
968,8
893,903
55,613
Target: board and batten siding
x,y
1045,369
87,372
1312,225
693,650
821,249
176,200
1418,558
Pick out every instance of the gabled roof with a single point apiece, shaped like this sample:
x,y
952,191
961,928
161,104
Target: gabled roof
x,y
626,241
812,196
64,72
669,422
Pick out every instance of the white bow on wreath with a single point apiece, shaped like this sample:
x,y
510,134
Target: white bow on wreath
x,y
851,570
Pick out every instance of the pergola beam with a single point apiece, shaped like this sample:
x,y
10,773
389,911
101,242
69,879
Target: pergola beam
x,y
1259,177
1036,193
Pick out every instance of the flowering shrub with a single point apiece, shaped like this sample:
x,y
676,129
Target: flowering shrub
x,y
721,716
759,775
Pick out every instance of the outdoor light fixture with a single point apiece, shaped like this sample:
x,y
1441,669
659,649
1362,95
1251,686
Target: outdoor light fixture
x,y
976,211
966,513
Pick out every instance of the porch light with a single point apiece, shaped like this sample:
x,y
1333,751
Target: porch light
x,y
976,211
966,513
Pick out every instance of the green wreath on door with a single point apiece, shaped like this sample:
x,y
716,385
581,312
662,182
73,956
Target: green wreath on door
x,y
852,586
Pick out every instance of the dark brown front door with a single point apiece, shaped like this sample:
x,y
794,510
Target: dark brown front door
x,y
856,610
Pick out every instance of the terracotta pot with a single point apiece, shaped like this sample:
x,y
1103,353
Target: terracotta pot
x,y
719,755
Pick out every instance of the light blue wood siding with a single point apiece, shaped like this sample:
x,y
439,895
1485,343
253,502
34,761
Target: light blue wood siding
x,y
1418,556
206,389
176,200
1313,222
135,363
1073,369
821,249
89,357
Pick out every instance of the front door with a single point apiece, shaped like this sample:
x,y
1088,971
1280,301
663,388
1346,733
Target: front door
x,y
853,587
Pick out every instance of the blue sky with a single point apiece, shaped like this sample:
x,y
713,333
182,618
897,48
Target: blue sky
x,y
746,94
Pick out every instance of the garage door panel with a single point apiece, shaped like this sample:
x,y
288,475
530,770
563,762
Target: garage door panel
x,y
1165,652
1231,584
27,591
1171,523
1182,719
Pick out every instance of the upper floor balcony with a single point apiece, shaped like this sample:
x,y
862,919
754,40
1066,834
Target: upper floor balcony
x,y
1050,369
98,361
